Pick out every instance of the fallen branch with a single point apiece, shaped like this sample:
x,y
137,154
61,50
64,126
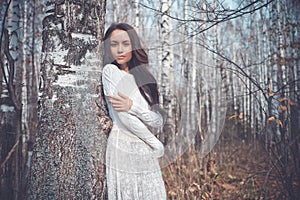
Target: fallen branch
x,y
10,153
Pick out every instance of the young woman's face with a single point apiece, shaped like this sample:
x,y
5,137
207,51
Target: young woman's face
x,y
120,47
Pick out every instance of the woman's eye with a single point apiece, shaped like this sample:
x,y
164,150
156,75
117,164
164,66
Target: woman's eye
x,y
113,44
126,44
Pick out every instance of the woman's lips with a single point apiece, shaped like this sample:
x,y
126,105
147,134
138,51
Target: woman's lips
x,y
121,57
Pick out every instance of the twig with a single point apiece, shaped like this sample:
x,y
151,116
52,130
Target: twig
x,y
10,153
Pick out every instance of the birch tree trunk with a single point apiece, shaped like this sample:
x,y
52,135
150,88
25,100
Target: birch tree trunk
x,y
185,72
68,153
167,75
137,14
170,135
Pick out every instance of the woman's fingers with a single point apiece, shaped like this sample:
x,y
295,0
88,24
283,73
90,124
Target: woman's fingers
x,y
113,97
120,98
115,102
122,95
120,102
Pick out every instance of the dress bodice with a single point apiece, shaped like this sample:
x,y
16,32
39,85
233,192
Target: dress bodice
x,y
137,120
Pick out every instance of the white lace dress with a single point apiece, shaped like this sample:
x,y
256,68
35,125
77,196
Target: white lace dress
x,y
132,168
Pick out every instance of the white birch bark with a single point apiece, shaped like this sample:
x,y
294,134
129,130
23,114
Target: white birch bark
x,y
186,104
167,77
70,143
196,58
137,14
115,10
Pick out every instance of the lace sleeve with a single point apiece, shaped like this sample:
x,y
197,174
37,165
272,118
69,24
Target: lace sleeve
x,y
139,129
150,118
111,75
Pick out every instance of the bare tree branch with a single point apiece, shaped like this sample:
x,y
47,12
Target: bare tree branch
x,y
13,149
228,14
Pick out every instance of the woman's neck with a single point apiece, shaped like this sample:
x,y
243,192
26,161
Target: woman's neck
x,y
125,67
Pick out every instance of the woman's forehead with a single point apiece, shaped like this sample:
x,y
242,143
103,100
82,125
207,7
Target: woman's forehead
x,y
119,35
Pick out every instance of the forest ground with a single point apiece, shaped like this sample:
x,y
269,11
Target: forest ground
x,y
237,168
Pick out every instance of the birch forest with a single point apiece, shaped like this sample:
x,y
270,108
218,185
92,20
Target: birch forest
x,y
229,81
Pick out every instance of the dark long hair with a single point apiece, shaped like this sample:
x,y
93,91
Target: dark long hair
x,y
137,65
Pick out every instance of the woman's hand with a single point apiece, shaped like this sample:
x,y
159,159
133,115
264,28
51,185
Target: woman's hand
x,y
121,102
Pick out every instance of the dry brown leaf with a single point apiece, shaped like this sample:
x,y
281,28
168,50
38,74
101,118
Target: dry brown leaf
x,y
241,116
227,186
271,119
172,193
283,108
290,103
283,99
192,189
280,123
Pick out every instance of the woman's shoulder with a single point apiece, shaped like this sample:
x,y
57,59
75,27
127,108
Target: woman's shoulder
x,y
109,68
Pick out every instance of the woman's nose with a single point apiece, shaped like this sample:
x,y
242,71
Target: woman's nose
x,y
120,49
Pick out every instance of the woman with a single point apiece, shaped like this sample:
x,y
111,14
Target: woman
x,y
132,153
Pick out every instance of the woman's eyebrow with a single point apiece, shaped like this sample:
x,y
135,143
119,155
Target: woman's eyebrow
x,y
118,41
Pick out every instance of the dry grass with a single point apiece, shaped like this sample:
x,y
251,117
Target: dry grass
x,y
188,178
235,170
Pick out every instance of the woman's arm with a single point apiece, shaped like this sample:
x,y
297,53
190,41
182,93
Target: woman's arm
x,y
151,118
111,75
125,104
138,128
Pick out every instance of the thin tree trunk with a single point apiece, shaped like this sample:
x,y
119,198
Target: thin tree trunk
x,y
170,134
137,14
167,77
